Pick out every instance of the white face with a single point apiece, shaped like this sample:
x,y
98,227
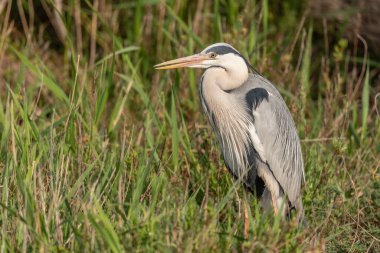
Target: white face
x,y
230,70
227,69
228,62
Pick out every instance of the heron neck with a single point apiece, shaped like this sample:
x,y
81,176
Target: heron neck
x,y
228,117
214,91
227,79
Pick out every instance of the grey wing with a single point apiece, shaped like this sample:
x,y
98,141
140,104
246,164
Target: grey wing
x,y
277,135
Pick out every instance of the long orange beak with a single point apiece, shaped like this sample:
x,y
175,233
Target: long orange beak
x,y
183,62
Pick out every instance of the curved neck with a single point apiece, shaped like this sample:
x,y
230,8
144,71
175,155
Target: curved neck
x,y
226,78
227,115
215,84
213,88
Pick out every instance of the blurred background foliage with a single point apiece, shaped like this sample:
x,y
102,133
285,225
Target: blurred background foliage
x,y
100,151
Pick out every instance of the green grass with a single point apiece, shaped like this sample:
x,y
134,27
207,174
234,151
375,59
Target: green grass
x,y
116,156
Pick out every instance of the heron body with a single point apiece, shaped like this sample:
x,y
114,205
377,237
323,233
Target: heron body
x,y
255,129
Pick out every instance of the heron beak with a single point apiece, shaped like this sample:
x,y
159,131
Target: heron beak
x,y
188,61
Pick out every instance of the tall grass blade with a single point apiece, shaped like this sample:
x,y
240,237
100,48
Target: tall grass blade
x,y
265,13
365,104
175,131
305,74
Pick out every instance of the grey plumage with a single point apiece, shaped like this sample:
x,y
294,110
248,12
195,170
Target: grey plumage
x,y
278,136
255,129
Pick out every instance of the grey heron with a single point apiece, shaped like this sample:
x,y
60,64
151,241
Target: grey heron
x,y
255,129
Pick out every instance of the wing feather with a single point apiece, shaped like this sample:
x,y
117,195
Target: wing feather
x,y
274,135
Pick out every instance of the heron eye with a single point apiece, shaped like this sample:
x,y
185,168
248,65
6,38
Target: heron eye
x,y
212,55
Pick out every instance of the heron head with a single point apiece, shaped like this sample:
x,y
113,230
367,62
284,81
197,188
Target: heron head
x,y
220,55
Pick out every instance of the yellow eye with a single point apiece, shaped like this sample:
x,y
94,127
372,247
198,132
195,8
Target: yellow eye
x,y
212,55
